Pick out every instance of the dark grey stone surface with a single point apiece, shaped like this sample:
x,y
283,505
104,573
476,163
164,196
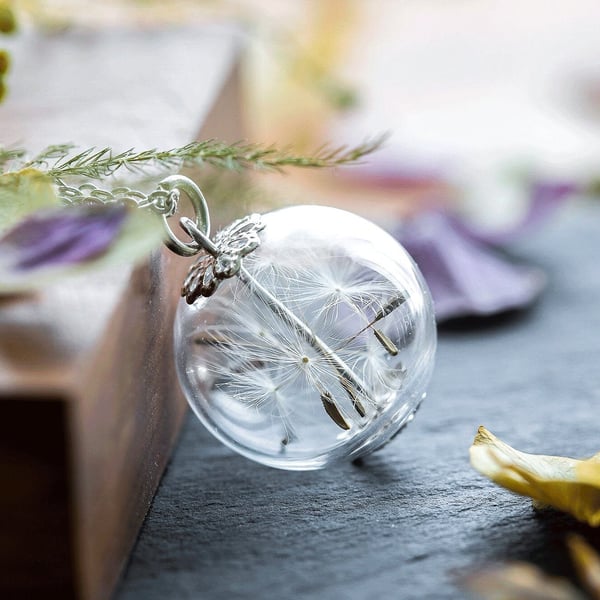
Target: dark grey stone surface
x,y
409,520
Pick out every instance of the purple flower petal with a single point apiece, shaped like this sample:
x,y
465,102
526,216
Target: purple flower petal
x,y
65,236
545,198
466,277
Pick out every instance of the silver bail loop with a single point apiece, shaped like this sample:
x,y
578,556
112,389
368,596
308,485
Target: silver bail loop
x,y
177,183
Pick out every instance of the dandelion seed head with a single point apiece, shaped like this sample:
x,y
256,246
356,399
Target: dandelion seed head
x,y
299,391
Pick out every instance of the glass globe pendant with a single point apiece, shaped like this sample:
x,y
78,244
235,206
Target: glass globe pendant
x,y
305,336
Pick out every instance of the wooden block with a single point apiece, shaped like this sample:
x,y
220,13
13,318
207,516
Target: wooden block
x,y
85,438
89,402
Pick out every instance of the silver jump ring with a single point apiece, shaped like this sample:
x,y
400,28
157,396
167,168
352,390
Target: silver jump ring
x,y
201,216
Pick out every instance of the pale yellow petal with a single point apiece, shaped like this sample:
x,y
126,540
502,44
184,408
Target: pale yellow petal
x,y
519,581
567,484
587,564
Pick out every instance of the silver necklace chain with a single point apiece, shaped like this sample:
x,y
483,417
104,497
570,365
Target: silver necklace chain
x,y
161,201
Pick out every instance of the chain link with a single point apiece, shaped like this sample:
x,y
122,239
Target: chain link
x,y
161,201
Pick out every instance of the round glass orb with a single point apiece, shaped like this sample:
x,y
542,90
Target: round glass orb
x,y
321,347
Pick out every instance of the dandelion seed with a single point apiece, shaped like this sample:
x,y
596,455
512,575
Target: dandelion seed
x,y
333,411
389,307
381,313
360,409
385,341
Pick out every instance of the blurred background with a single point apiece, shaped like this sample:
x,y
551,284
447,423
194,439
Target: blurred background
x,y
491,108
479,96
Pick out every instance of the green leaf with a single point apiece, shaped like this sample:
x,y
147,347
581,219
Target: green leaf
x,y
23,193
142,233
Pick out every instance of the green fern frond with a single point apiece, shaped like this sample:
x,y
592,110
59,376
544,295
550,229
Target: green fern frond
x,y
98,164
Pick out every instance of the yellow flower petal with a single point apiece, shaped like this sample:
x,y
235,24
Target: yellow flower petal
x,y
524,581
519,581
587,564
567,484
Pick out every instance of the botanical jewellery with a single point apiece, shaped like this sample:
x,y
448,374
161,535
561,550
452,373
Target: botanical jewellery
x,y
304,335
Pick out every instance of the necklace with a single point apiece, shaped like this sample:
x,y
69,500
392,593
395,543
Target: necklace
x,y
303,336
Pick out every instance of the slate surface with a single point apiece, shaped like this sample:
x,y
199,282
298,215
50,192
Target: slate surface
x,y
413,517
